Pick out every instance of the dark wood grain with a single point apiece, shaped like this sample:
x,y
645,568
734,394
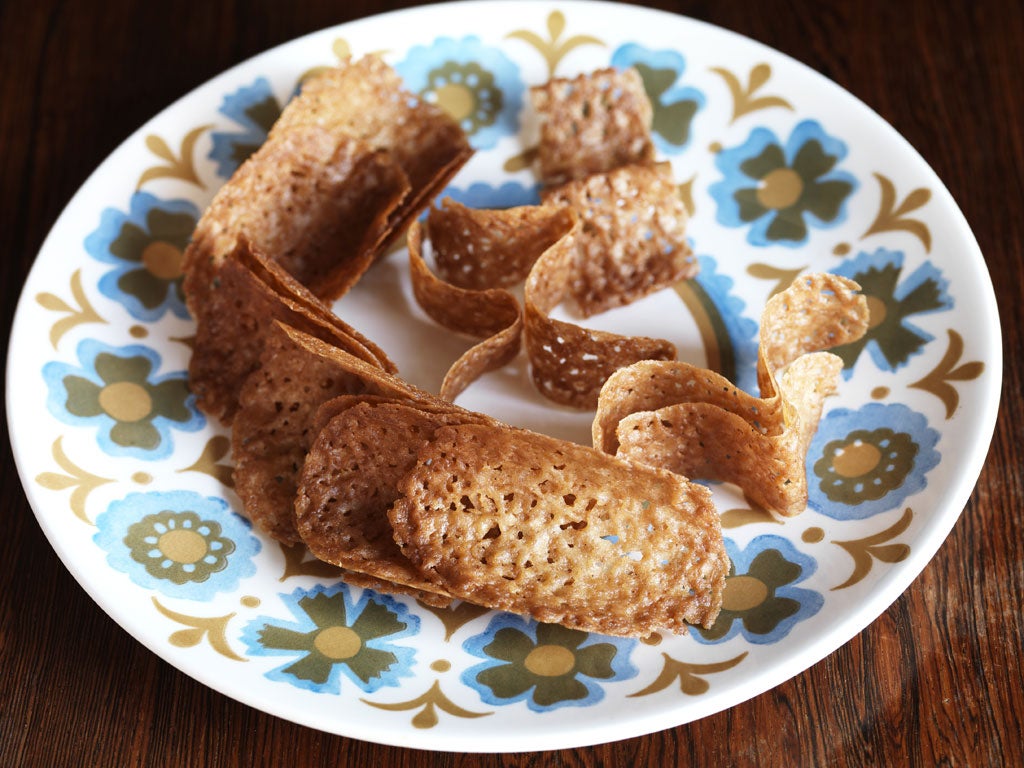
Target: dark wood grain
x,y
936,680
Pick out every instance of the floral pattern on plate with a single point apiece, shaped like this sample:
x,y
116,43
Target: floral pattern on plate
x,y
545,665
116,391
179,543
777,181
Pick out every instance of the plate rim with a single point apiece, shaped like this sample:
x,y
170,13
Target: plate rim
x,y
896,581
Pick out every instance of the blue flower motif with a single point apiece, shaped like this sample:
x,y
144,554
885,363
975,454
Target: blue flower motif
x,y
546,665
891,339
116,392
483,195
674,105
254,108
778,190
735,335
146,247
867,461
178,543
476,84
335,637
760,599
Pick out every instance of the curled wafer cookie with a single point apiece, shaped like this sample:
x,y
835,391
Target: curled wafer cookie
x,y
522,522
461,235
492,314
695,422
592,123
350,479
482,248
272,431
570,363
276,420
249,294
366,99
317,202
632,238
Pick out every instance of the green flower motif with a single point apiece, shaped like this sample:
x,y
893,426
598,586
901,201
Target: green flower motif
x,y
178,546
335,637
760,600
467,92
895,295
114,390
866,464
548,665
178,543
779,190
253,109
869,461
146,248
674,106
474,83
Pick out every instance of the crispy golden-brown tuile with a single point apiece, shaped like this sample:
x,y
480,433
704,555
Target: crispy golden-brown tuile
x,y
490,248
570,363
592,123
632,239
695,422
317,202
271,432
350,479
365,99
275,423
250,293
518,521
491,314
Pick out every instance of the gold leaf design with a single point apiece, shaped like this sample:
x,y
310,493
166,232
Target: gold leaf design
x,y
454,617
83,482
554,49
685,192
428,704
703,315
216,448
744,98
522,161
783,277
877,547
689,676
76,315
892,216
949,369
188,341
180,166
735,518
296,564
213,629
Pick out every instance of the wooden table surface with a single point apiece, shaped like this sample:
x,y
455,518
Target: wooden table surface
x,y
935,680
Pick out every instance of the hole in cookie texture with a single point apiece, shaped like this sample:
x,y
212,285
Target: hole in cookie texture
x,y
569,499
576,525
467,504
493,533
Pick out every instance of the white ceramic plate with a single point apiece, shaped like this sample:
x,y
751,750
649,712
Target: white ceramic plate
x,y
128,480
